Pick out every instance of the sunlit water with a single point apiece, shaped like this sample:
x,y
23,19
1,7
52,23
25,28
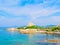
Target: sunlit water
x,y
15,38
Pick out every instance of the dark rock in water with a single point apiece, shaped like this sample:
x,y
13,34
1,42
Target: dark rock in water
x,y
45,43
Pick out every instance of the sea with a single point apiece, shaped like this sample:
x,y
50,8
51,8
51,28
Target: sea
x,y
16,38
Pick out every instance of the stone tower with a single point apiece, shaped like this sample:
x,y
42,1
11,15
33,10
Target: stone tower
x,y
30,24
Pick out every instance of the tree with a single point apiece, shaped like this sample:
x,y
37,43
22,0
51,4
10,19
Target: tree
x,y
33,27
20,27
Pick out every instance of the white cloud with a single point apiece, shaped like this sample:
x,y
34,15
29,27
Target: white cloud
x,y
30,10
48,20
55,18
33,11
2,18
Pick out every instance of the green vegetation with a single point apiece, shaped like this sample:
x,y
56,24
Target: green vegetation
x,y
53,28
30,27
33,27
22,27
49,28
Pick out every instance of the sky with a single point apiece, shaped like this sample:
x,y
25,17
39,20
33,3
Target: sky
x,y
21,12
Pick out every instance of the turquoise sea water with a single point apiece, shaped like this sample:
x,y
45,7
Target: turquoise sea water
x,y
16,38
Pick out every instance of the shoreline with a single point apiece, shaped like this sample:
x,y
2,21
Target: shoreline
x,y
31,31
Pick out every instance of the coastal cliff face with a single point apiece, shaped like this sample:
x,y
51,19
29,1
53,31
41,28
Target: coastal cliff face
x,y
12,29
30,31
26,31
31,28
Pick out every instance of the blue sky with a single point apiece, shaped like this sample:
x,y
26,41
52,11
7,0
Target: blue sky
x,y
21,12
